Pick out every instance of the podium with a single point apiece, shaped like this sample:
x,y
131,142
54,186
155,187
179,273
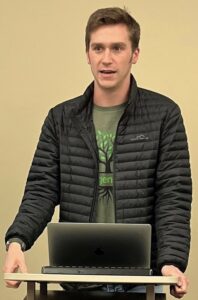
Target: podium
x,y
44,279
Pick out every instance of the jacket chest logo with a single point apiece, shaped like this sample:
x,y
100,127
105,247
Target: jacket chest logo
x,y
139,137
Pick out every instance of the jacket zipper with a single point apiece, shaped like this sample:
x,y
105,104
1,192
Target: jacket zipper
x,y
91,218
114,170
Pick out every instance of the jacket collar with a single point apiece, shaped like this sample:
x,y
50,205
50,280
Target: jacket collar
x,y
83,119
85,105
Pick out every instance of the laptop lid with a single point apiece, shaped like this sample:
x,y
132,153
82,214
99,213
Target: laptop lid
x,y
99,244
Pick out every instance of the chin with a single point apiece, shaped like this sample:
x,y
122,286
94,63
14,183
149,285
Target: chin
x,y
107,84
108,87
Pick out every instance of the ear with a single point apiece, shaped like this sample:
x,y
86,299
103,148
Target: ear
x,y
135,56
88,59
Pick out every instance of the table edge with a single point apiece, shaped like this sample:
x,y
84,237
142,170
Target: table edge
x,y
57,278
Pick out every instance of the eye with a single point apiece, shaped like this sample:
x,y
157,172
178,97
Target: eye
x,y
97,48
117,48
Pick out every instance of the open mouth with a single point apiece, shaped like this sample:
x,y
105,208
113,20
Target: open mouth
x,y
107,71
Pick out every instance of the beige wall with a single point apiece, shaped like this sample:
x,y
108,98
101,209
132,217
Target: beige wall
x,y
42,63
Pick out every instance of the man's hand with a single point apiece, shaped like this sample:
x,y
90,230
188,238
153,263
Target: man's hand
x,y
15,260
180,289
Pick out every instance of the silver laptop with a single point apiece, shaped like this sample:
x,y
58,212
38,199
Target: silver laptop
x,y
99,248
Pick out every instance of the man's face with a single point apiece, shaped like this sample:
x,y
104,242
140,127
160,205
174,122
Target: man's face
x,y
110,56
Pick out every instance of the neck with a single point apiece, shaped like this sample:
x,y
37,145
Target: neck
x,y
107,97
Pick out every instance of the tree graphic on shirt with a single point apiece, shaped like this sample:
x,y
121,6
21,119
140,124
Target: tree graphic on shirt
x,y
105,141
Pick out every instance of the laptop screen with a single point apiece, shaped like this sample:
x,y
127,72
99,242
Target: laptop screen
x,y
99,244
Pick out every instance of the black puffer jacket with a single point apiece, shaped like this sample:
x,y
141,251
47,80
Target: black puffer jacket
x,y
152,182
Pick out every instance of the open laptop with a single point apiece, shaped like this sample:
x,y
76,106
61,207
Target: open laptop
x,y
99,248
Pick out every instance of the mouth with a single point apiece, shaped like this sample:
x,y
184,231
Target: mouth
x,y
107,71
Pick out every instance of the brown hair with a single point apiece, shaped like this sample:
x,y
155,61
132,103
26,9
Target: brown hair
x,y
110,16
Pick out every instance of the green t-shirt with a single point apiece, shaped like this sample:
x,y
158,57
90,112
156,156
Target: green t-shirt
x,y
106,121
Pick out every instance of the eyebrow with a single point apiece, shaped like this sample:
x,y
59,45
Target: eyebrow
x,y
120,44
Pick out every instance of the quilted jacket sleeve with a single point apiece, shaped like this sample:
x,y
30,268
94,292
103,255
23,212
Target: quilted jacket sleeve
x,y
42,188
173,194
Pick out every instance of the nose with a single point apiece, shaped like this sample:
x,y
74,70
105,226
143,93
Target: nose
x,y
107,57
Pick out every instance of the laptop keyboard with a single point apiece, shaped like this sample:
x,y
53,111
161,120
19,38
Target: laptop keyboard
x,y
92,270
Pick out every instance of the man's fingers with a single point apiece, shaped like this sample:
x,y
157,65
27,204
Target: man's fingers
x,y
182,284
14,262
180,289
176,294
12,284
23,267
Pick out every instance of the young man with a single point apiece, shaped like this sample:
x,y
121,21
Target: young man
x,y
118,153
